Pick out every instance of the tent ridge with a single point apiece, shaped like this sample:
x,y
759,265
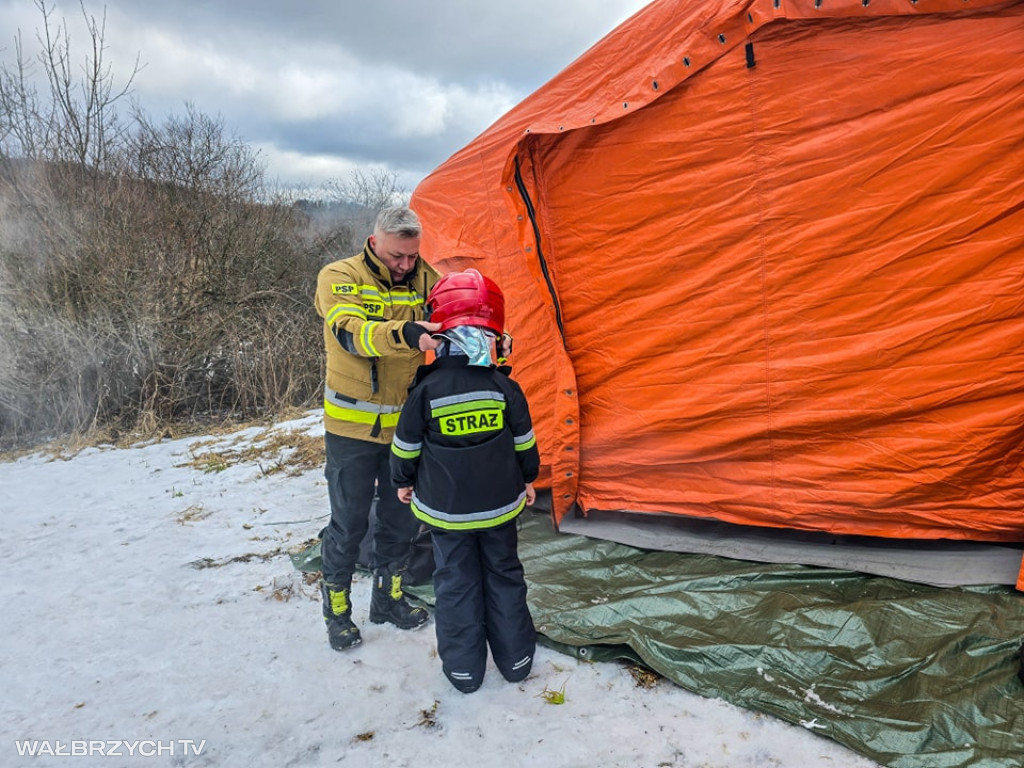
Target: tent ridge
x,y
721,34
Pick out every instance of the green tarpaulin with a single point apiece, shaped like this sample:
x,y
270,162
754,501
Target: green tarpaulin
x,y
911,676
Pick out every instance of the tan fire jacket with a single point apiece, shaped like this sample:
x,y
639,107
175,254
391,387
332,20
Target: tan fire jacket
x,y
369,363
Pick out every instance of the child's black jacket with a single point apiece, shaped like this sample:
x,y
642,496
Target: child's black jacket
x,y
465,441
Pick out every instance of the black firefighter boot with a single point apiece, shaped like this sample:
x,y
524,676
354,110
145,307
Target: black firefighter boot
x,y
388,602
341,632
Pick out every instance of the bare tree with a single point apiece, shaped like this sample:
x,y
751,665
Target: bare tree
x,y
78,121
342,218
375,189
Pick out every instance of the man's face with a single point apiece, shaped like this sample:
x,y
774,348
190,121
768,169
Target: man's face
x,y
398,254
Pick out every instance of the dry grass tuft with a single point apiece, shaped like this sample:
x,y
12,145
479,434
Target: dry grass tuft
x,y
209,562
643,677
273,451
428,717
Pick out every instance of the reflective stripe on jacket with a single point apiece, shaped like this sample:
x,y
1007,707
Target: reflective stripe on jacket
x,y
341,408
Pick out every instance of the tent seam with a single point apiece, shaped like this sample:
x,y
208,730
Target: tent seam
x,y
762,248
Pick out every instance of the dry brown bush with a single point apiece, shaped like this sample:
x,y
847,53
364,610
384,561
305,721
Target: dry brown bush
x,y
147,275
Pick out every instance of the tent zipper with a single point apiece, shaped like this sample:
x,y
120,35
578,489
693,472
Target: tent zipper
x,y
521,186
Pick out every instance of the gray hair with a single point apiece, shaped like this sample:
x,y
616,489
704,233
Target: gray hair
x,y
399,221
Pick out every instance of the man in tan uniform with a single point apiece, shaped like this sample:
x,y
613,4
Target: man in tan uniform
x,y
375,335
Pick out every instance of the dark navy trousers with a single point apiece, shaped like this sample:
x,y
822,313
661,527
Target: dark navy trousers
x,y
354,470
480,602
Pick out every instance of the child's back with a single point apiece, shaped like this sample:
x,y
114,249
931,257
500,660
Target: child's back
x,y
465,456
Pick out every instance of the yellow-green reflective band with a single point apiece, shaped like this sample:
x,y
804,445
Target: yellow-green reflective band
x,y
349,310
387,420
339,602
527,445
359,405
413,300
468,525
486,420
366,338
402,453
371,293
396,588
466,407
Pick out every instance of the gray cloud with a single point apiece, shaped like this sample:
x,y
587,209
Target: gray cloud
x,y
327,85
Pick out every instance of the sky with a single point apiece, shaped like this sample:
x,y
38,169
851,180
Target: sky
x,y
327,86
153,616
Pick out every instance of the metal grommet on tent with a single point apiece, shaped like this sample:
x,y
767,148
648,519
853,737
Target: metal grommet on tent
x,y
654,85
686,61
721,38
583,652
625,105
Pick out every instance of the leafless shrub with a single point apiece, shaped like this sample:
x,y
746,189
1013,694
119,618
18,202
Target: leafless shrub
x,y
146,274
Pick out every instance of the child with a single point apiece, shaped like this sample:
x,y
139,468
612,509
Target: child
x,y
465,458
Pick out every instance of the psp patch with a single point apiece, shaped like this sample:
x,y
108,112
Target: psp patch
x,y
374,309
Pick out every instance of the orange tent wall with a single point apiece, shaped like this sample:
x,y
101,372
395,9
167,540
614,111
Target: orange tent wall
x,y
788,294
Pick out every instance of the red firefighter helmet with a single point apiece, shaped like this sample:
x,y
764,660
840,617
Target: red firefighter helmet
x,y
467,298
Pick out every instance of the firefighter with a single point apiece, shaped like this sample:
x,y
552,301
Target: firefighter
x,y
465,458
375,336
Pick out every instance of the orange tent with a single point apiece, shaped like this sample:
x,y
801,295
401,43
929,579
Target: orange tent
x,y
765,264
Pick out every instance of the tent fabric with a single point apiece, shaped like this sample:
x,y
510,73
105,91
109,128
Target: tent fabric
x,y
911,676
765,262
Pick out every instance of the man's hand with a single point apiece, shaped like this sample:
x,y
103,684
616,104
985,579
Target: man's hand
x,y
531,495
504,346
405,494
426,341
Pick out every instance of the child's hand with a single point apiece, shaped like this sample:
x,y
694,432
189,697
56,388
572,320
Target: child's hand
x,y
531,495
405,494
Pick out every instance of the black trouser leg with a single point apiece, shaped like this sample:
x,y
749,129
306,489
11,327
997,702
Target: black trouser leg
x,y
396,525
459,610
510,631
353,470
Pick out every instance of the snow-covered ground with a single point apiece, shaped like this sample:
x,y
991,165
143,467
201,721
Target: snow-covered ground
x,y
150,610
